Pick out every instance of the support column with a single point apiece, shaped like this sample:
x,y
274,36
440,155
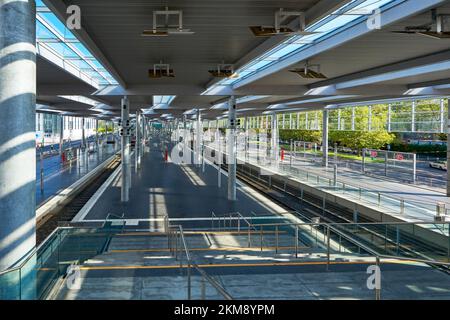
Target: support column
x,y
441,116
17,135
232,149
325,139
125,149
413,116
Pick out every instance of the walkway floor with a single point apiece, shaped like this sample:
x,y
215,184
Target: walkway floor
x,y
180,191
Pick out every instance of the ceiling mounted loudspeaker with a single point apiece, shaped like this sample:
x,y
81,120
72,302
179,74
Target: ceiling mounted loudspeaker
x,y
223,71
164,30
307,73
279,29
161,70
435,29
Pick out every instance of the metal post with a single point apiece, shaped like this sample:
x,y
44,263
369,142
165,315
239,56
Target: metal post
x,y
232,149
96,135
325,139
189,280
125,149
389,118
328,248
414,168
274,139
219,158
363,161
353,118
386,158
198,143
335,153
335,175
83,134
296,242
61,136
137,155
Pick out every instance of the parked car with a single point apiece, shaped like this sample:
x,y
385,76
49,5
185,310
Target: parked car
x,y
442,165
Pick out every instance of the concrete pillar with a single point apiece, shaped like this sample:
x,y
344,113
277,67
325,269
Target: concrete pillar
x,y
232,149
413,116
441,116
325,138
125,149
61,135
306,121
17,133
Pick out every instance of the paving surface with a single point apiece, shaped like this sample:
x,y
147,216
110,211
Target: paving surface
x,y
135,269
180,191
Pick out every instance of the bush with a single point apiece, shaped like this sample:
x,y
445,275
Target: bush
x,y
301,135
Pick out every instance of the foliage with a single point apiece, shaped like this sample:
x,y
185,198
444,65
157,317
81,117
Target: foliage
x,y
301,135
357,140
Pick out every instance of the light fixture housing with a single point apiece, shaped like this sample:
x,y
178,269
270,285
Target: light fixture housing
x,y
279,29
166,30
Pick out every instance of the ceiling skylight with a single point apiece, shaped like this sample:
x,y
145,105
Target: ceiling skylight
x,y
55,42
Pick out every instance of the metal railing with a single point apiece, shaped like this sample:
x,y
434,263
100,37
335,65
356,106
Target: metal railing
x,y
389,203
177,245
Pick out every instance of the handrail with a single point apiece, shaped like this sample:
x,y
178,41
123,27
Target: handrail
x,y
191,264
34,251
358,243
354,186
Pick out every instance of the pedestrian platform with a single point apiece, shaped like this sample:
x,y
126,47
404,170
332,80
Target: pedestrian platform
x,y
160,189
